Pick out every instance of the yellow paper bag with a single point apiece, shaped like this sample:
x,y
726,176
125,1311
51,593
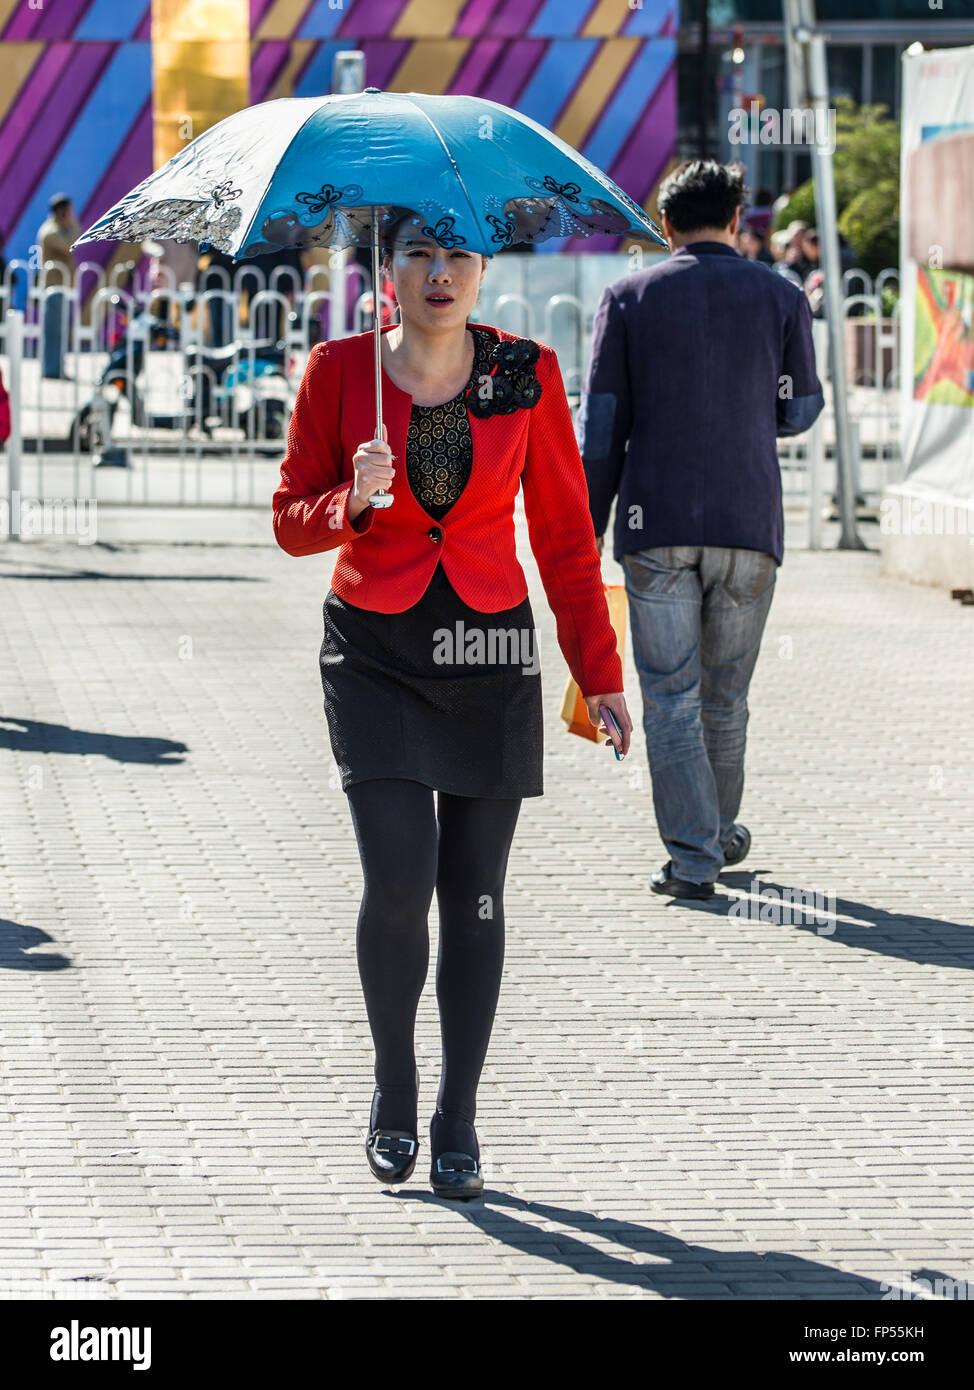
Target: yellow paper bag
x,y
573,709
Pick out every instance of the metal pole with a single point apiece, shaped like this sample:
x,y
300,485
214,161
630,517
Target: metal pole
x,y
704,89
855,449
380,498
376,325
15,361
337,296
815,451
808,45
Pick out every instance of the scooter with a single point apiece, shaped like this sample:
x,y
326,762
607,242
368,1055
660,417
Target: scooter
x,y
92,426
215,380
253,382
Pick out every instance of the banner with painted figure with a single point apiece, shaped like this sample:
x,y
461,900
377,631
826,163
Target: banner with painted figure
x,y
937,270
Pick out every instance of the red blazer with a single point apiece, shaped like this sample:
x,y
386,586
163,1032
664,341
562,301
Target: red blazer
x,y
387,556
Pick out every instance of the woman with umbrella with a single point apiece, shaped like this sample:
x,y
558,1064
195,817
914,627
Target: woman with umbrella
x,y
472,412
406,450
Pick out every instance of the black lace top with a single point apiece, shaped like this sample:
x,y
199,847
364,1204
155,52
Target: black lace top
x,y
439,452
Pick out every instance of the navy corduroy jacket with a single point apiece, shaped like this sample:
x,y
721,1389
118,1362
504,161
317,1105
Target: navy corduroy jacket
x,y
697,365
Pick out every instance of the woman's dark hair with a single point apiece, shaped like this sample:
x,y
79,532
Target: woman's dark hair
x,y
390,231
702,193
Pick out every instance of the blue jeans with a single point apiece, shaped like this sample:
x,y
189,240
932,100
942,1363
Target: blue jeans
x,y
697,615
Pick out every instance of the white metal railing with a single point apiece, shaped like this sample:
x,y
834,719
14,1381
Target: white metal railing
x,y
808,462
153,410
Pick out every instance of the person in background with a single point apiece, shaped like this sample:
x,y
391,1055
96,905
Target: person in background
x,y
55,238
760,216
781,202
807,258
778,246
790,263
4,412
754,246
796,233
680,424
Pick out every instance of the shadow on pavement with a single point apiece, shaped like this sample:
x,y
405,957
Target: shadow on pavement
x,y
903,936
155,578
32,736
778,1276
16,941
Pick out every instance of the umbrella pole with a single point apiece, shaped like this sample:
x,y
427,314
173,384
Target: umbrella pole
x,y
380,498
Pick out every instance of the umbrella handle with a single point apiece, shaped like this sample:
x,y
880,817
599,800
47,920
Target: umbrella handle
x,y
380,498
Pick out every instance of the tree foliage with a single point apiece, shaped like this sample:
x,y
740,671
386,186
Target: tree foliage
x,y
867,185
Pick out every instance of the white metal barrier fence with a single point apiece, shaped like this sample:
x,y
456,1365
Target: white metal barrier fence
x,y
129,392
870,314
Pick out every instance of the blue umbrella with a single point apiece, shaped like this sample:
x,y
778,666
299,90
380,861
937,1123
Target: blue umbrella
x,y
328,171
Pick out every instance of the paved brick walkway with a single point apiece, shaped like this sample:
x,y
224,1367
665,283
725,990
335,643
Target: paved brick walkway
x,y
677,1102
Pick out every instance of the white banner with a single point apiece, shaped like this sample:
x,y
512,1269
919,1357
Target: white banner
x,y
937,270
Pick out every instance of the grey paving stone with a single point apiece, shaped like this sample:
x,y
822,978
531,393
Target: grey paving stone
x,y
677,1103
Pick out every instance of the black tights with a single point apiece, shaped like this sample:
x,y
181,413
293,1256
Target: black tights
x,y
408,851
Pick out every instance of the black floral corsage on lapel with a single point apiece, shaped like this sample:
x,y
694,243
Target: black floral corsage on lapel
x,y
512,385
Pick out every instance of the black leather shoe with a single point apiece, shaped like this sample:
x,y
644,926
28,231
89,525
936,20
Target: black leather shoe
x,y
663,881
457,1176
391,1154
737,846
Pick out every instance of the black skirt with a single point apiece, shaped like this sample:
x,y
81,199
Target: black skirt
x,y
441,694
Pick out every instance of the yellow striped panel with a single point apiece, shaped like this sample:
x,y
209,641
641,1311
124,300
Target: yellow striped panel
x,y
200,68
652,211
428,19
298,53
595,89
606,20
649,202
7,8
429,66
16,64
281,19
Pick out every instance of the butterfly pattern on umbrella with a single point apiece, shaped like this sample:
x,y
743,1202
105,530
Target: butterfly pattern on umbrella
x,y
527,218
213,219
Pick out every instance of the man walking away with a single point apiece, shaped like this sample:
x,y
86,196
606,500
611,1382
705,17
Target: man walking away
x,y
697,364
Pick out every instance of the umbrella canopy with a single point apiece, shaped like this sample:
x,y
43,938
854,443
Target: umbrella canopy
x,y
328,171
319,171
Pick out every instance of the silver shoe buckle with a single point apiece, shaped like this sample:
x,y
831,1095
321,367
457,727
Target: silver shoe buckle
x,y
394,1146
466,1165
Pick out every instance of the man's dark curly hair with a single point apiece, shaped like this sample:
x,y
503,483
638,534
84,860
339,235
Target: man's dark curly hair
x,y
702,193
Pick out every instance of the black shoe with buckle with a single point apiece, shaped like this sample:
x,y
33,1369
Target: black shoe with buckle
x,y
391,1154
457,1176
663,881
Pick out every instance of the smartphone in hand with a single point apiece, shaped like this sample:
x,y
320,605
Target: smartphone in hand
x,y
615,735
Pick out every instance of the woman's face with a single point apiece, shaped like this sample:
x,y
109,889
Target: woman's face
x,y
423,272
